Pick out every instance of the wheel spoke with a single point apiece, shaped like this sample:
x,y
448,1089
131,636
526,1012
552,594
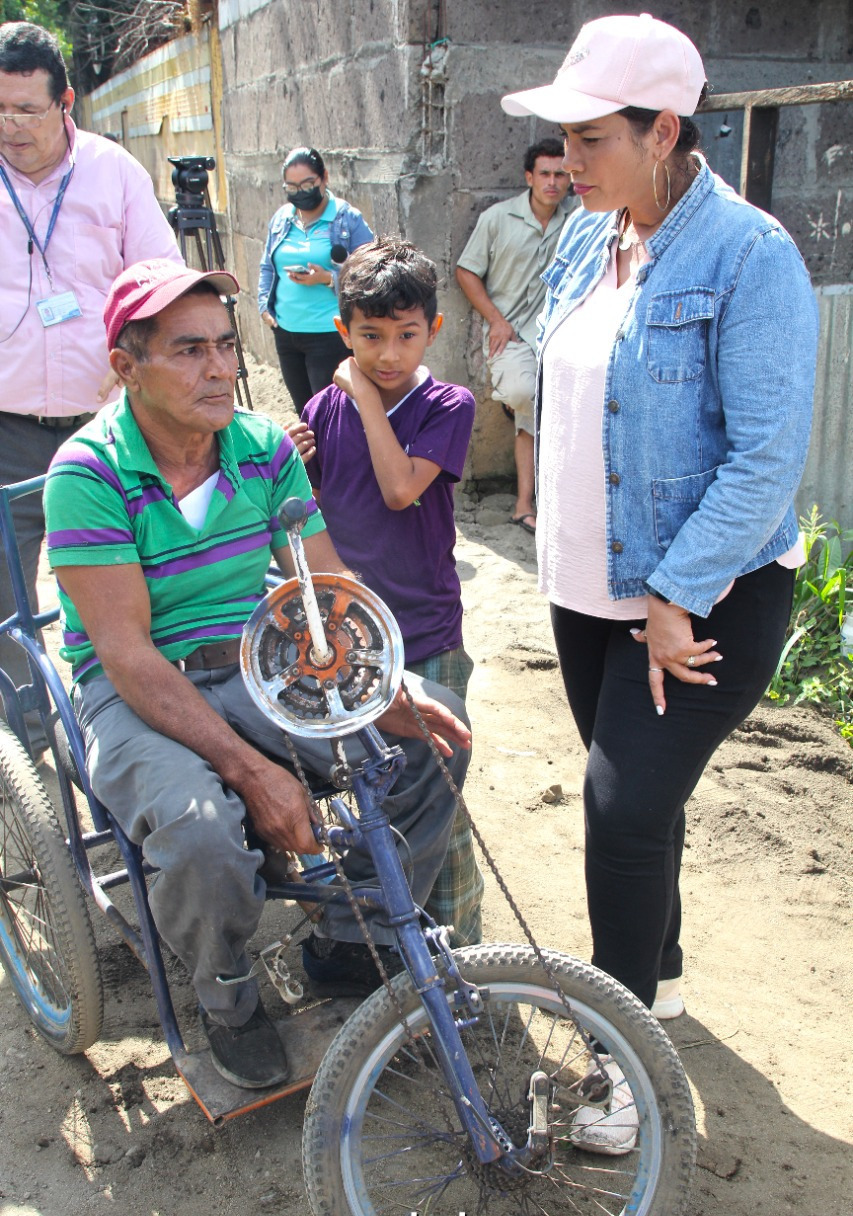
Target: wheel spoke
x,y
46,944
396,1156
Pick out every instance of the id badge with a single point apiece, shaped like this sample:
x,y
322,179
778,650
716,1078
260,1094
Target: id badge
x,y
58,308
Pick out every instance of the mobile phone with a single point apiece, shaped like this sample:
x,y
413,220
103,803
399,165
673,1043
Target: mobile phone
x,y
298,270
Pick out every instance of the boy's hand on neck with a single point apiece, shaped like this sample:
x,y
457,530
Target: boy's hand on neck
x,y
351,380
402,478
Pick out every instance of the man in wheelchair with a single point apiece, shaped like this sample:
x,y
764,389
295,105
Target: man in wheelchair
x,y
161,520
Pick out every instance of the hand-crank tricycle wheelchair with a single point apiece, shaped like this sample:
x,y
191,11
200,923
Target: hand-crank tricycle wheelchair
x,y
461,1083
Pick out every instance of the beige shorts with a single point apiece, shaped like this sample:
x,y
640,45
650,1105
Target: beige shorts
x,y
513,374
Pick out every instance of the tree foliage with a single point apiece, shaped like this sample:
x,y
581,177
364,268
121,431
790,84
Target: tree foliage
x,y
110,35
101,37
53,15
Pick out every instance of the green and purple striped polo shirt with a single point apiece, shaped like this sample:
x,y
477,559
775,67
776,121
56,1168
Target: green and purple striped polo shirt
x,y
106,504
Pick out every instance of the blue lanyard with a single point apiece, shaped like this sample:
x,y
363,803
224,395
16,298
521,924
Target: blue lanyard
x,y
31,232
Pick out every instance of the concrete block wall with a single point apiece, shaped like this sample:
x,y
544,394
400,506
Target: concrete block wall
x,y
345,75
339,75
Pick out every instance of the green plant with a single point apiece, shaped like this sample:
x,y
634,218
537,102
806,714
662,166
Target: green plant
x,y
812,667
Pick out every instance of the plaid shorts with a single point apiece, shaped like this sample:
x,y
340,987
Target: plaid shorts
x,y
456,897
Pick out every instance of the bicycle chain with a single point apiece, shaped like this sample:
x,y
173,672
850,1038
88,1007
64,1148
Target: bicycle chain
x,y
347,886
417,1046
362,923
462,805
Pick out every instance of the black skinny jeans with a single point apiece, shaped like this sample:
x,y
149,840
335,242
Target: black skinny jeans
x,y
308,361
642,768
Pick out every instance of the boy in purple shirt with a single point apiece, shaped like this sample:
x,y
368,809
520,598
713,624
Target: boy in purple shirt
x,y
383,447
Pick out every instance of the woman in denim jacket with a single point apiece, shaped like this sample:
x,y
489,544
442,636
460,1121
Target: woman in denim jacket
x,y
308,240
677,359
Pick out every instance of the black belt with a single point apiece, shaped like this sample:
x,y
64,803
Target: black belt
x,y
208,658
57,423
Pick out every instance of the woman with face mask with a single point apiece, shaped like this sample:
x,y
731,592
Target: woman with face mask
x,y
308,240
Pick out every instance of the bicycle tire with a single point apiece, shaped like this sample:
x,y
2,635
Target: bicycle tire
x,y
47,947
367,1152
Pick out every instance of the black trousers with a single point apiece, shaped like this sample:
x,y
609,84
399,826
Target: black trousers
x,y
308,361
642,768
26,450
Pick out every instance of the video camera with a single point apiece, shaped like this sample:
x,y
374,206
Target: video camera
x,y
190,178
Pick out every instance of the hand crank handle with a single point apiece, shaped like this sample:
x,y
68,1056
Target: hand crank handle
x,y
293,515
339,838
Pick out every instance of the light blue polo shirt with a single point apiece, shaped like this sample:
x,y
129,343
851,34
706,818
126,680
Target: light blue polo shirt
x,y
298,307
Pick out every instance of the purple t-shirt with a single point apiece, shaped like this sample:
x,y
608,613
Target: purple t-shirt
x,y
406,556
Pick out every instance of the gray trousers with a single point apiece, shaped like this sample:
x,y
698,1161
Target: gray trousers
x,y
207,898
26,450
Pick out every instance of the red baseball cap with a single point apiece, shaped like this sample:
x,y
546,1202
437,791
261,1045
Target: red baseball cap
x,y
146,288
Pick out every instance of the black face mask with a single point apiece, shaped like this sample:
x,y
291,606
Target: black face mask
x,y
307,200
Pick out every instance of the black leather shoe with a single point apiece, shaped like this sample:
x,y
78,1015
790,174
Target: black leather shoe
x,y
345,969
252,1055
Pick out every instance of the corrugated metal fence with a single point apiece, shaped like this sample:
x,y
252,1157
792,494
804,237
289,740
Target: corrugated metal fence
x,y
828,479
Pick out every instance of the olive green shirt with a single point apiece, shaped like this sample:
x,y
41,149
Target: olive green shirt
x,y
509,251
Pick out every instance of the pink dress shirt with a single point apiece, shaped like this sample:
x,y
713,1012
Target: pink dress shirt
x,y
109,219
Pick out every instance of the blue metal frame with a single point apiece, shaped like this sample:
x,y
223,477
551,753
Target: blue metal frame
x,y
370,831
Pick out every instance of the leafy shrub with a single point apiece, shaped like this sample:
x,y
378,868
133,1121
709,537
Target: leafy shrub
x,y
812,668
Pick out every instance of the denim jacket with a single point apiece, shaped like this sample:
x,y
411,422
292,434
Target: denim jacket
x,y
708,395
349,228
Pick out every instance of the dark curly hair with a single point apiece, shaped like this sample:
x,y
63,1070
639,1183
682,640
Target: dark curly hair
x,y
386,277
25,47
551,146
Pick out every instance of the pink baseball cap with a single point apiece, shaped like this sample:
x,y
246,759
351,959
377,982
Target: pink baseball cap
x,y
146,288
616,62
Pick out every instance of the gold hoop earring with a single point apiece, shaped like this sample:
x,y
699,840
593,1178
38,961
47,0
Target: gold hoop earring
x,y
661,206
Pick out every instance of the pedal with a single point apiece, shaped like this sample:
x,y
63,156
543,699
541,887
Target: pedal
x,y
289,989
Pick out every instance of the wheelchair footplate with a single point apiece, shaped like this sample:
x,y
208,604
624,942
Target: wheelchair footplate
x,y
306,1035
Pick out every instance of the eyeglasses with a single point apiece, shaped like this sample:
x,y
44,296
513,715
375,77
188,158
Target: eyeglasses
x,y
307,183
25,120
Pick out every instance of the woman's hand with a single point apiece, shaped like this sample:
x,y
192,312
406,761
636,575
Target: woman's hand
x,y
313,276
303,439
672,647
269,319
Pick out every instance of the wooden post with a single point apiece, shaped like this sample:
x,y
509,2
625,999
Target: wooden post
x,y
760,124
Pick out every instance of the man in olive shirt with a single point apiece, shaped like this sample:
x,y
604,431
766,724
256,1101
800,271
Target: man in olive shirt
x,y
499,272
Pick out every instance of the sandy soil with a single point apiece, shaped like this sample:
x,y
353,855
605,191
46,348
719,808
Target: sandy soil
x,y
767,892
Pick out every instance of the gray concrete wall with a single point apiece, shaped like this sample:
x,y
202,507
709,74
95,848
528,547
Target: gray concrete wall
x,y
346,76
340,75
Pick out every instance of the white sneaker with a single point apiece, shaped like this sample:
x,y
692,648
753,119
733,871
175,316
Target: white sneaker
x,y
614,1131
669,1002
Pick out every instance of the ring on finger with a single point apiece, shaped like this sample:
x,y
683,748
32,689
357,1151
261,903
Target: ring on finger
x,y
657,669
691,660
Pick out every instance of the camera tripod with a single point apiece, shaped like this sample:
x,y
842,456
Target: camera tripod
x,y
193,215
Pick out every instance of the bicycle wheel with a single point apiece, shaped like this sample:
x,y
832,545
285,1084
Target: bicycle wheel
x,y
47,947
382,1135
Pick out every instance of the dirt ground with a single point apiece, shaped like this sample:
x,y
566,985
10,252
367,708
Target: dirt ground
x,y
767,888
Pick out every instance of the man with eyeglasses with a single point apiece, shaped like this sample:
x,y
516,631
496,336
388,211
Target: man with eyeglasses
x,y
499,272
75,210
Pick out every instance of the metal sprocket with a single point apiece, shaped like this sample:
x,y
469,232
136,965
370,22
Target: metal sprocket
x,y
314,697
